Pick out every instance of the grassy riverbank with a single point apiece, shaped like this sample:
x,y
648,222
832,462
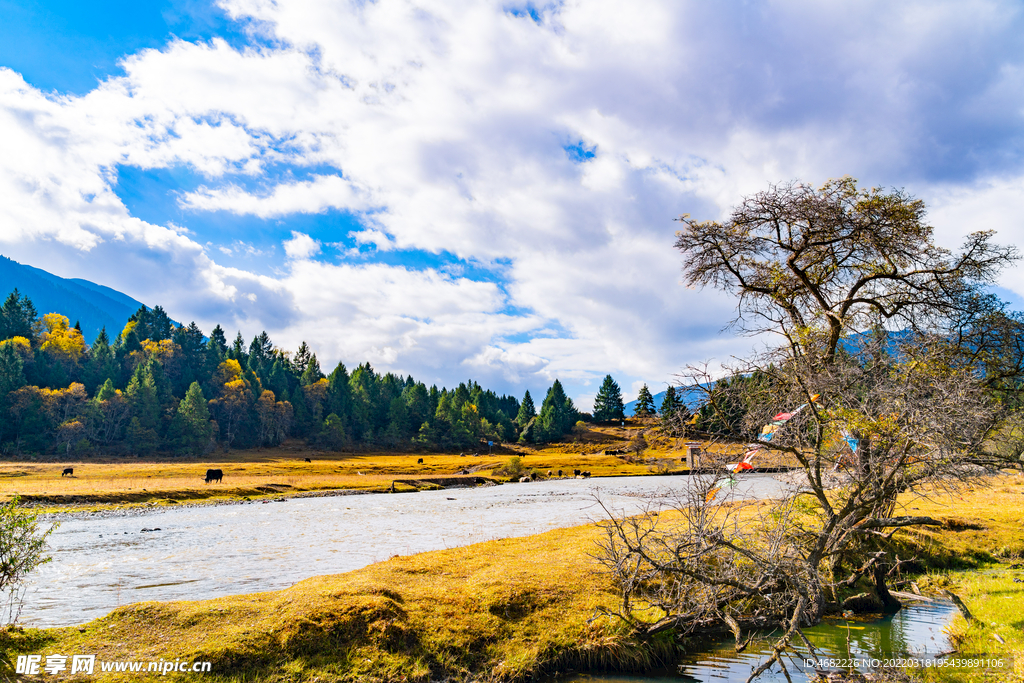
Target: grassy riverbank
x,y
510,609
979,555
500,610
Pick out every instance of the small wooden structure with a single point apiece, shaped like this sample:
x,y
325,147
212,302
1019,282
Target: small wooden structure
x,y
693,455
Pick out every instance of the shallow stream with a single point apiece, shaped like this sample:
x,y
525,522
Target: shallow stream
x,y
916,630
101,561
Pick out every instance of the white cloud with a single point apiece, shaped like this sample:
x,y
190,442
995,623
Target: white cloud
x,y
310,196
301,246
447,122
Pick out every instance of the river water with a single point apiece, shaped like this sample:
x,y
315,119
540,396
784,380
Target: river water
x,y
101,561
916,631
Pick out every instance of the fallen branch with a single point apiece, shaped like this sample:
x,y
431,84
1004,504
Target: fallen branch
x,y
960,606
910,596
890,522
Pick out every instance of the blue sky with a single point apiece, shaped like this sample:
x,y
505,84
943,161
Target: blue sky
x,y
480,189
70,47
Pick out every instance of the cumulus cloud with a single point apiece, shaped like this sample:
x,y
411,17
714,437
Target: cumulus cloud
x,y
456,128
301,246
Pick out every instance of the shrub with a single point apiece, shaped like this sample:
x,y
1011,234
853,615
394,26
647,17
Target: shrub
x,y
513,467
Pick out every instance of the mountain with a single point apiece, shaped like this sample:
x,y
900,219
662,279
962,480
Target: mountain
x,y
93,306
691,397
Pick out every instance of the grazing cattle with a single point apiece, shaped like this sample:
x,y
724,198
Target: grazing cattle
x,y
214,475
420,461
575,473
549,473
533,476
523,480
559,472
68,472
586,475
308,460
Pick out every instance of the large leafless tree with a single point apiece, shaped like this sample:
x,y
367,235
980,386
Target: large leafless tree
x,y
906,368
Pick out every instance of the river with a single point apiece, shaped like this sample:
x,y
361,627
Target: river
x,y
103,560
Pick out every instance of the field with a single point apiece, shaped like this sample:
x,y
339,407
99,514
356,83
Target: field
x,y
108,481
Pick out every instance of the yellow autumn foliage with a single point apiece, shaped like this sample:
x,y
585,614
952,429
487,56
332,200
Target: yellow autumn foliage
x,y
228,371
60,339
21,346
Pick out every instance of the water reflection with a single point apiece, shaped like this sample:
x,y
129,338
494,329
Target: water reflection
x,y
916,630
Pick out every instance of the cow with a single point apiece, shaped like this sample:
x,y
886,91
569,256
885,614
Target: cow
x,y
68,472
214,475
549,474
524,479
575,473
308,460
420,461
559,473
533,476
586,475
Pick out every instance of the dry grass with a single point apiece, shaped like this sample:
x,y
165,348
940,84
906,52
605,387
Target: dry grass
x,y
500,610
503,610
977,554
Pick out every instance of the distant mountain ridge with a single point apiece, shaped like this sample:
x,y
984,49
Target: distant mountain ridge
x,y
93,306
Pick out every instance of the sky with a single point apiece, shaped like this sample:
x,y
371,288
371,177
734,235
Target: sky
x,y
482,189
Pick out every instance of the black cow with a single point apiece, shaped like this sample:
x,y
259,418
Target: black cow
x,y
68,472
420,461
308,460
575,473
214,475
586,475
559,472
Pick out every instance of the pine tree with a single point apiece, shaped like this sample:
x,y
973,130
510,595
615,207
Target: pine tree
x,y
339,393
418,400
302,358
644,403
261,355
12,376
193,421
671,404
106,392
101,365
238,350
312,374
142,398
674,413
608,403
218,342
557,415
398,422
526,410
17,317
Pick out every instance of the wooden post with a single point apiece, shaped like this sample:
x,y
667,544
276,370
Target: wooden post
x,y
693,455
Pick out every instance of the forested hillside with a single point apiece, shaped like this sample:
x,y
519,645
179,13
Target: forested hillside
x,y
159,386
92,306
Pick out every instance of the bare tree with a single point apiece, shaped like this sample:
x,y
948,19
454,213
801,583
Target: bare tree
x,y
896,371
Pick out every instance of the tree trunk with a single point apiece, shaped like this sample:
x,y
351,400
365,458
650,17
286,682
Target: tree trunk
x,y
890,603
